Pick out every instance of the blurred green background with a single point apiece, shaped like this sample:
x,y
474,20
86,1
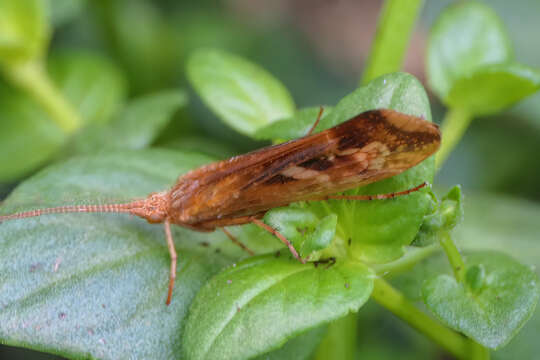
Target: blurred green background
x,y
318,49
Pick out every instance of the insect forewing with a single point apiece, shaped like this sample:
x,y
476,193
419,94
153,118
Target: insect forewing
x,y
369,147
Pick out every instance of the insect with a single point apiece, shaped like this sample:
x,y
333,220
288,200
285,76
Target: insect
x,y
370,147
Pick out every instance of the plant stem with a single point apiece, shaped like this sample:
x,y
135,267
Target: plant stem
x,y
397,303
33,78
455,122
340,340
479,352
394,28
454,257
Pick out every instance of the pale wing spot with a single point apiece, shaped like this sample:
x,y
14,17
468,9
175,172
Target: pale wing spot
x,y
300,173
292,171
360,156
323,178
376,147
347,152
376,163
307,174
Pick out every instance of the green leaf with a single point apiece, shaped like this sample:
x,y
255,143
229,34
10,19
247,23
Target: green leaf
x,y
93,84
201,144
242,94
303,228
140,36
490,224
379,229
292,127
492,88
475,277
24,30
445,215
298,348
26,133
135,127
259,304
466,36
94,285
64,11
492,314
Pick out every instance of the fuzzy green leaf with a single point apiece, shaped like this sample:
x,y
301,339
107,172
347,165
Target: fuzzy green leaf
x,y
242,94
492,312
466,36
301,347
292,127
259,304
94,285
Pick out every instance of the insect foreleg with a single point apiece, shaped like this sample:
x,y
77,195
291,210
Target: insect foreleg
x,y
172,252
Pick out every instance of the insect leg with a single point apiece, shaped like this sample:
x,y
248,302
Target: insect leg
x,y
280,236
316,122
375,197
172,251
237,242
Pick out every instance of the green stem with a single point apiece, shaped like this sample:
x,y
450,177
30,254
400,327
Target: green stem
x,y
340,340
394,29
33,78
454,257
479,352
455,122
397,303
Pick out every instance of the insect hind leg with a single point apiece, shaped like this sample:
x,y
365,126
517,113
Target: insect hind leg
x,y
375,197
237,242
316,122
280,236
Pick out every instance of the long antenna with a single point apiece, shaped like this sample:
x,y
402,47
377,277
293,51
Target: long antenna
x,y
114,208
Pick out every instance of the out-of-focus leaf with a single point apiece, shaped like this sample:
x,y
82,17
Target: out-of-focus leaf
x,y
259,304
135,127
241,93
466,36
203,145
492,314
140,36
492,88
63,11
93,84
94,285
24,30
27,135
292,127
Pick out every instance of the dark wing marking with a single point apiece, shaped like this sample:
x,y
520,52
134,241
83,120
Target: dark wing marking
x,y
370,147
